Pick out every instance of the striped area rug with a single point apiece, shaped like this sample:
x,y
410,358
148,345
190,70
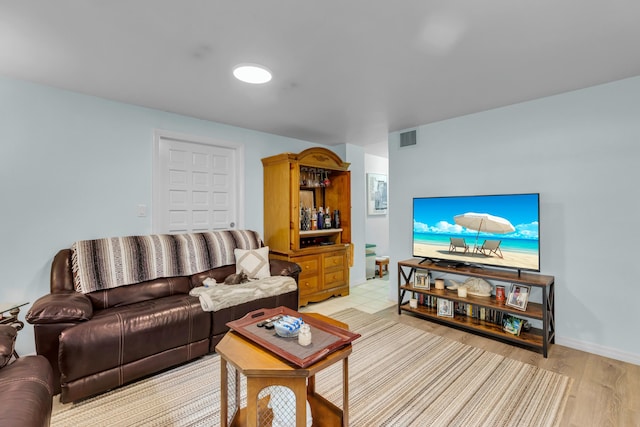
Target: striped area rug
x,y
398,376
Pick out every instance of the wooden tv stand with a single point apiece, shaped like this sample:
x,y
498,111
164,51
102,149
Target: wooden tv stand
x,y
536,338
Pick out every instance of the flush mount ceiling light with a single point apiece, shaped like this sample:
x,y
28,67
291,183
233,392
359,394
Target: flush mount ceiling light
x,y
252,73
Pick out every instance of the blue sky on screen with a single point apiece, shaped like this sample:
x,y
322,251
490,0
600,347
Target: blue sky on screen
x,y
435,215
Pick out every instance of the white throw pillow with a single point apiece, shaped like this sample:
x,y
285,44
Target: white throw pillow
x,y
253,262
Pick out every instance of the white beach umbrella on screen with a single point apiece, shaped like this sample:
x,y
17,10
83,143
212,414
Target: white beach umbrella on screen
x,y
484,222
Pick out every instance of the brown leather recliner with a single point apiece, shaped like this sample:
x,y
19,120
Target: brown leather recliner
x,y
26,385
101,340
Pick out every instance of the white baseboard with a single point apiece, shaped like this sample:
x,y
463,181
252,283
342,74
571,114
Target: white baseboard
x,y
600,350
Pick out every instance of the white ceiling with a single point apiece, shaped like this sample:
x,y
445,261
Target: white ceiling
x,y
345,71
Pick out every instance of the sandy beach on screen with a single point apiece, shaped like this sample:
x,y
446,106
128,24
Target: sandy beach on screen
x,y
520,259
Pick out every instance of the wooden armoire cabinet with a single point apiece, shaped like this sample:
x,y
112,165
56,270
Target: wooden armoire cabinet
x,y
314,178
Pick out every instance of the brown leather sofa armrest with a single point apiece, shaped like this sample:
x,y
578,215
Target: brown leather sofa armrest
x,y
61,307
280,267
7,343
27,392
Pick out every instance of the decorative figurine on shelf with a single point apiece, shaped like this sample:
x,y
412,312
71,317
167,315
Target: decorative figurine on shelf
x,y
475,286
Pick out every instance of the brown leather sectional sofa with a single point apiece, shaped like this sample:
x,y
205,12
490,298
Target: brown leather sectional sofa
x,y
101,340
26,385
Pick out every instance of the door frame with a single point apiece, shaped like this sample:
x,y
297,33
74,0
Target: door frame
x,y
158,135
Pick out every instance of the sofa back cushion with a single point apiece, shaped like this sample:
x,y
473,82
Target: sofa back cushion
x,y
219,274
120,261
62,275
152,289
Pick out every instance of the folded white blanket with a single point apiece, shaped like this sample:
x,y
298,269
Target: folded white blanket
x,y
216,296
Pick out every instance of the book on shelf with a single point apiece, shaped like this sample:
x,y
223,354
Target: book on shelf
x,y
508,322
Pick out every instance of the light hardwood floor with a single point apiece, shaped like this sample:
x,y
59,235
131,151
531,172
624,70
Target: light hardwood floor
x,y
605,392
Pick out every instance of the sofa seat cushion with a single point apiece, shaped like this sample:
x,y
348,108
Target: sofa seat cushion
x,y
226,315
219,295
120,335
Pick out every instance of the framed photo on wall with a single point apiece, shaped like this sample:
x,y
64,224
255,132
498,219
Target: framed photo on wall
x,y
377,194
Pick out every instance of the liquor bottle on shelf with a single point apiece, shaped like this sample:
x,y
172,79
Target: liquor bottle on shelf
x,y
320,218
306,219
336,218
314,219
301,217
327,218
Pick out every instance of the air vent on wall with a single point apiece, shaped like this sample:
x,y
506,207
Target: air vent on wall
x,y
408,138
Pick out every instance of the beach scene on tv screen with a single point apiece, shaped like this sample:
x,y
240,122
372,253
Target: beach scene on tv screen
x,y
500,230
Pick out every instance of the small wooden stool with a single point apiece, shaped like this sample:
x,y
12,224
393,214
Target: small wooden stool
x,y
380,263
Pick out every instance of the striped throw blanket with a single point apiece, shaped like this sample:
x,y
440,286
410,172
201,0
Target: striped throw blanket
x,y
119,261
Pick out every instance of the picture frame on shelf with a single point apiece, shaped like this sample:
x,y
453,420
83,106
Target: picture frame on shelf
x,y
307,199
445,307
422,280
512,325
518,296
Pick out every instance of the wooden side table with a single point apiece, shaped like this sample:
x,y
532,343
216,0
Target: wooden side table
x,y
263,369
382,262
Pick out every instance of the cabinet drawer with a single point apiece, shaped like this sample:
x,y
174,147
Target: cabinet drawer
x,y
308,285
334,261
309,265
333,279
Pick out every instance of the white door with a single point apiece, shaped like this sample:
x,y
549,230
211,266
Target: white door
x,y
197,184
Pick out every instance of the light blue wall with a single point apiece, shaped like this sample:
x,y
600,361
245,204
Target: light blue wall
x,y
355,156
581,152
377,226
75,167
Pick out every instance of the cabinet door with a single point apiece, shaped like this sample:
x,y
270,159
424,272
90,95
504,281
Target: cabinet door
x,y
294,197
278,208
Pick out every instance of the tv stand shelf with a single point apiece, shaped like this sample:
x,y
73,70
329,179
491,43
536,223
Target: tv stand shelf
x,y
535,338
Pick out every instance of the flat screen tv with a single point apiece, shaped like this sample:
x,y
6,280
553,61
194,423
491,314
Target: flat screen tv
x,y
493,230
